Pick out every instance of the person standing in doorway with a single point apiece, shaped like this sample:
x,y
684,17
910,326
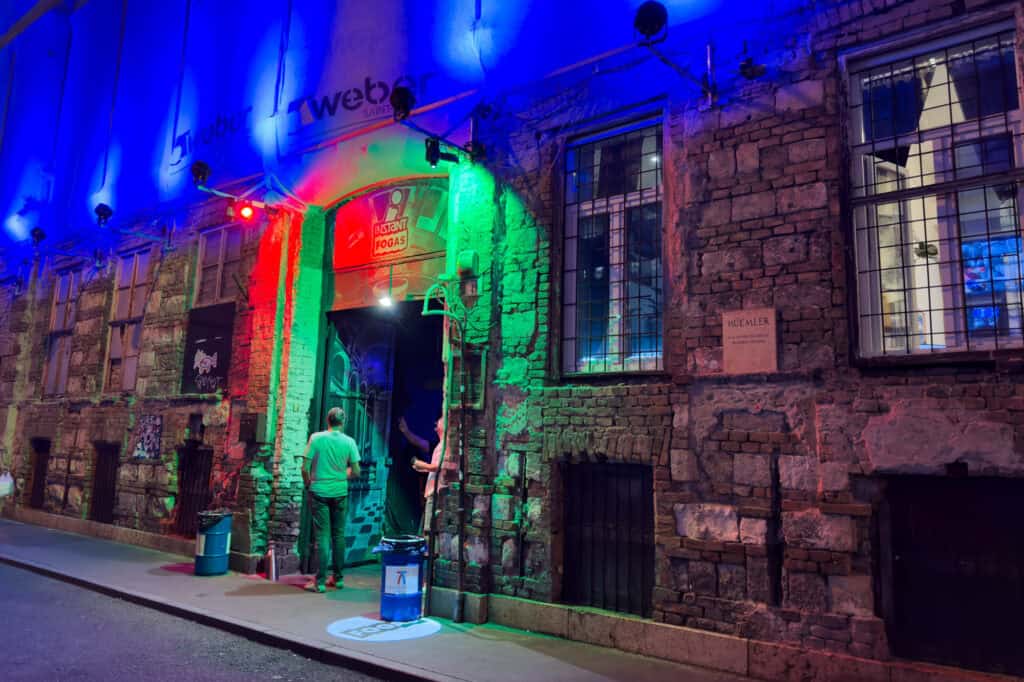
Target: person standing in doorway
x,y
331,459
433,468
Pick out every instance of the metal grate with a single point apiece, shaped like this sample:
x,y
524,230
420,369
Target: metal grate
x,y
612,278
194,466
935,137
104,486
609,536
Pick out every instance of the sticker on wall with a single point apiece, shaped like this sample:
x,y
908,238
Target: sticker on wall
x,y
363,629
148,430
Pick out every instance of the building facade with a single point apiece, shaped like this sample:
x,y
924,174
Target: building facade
x,y
728,338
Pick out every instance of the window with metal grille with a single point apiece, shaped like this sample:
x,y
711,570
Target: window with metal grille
x,y
935,137
126,326
220,262
612,277
62,322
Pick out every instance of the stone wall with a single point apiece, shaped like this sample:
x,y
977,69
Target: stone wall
x,y
767,487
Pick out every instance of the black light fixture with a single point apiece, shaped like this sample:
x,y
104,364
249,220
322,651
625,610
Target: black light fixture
x,y
750,70
651,19
200,172
37,236
103,214
402,102
434,153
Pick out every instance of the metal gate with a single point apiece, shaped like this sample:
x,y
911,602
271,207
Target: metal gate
x,y
104,483
609,536
957,571
40,468
194,466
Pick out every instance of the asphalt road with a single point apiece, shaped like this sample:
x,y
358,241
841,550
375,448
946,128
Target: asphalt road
x,y
55,631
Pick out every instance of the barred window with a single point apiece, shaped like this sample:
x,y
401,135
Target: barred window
x,y
62,322
612,278
133,284
935,139
220,260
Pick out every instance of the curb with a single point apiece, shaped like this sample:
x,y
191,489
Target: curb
x,y
353,660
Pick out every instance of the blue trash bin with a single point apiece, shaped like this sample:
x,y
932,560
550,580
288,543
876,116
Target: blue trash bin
x,y
401,589
213,543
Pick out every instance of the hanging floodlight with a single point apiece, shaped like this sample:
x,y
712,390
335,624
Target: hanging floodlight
x,y
200,173
402,102
650,21
434,153
103,214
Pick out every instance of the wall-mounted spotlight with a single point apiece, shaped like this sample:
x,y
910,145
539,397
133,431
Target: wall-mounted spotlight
x,y
434,153
750,70
650,21
103,214
403,101
200,172
37,236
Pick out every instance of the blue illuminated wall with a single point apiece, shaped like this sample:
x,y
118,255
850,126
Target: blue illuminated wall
x,y
113,101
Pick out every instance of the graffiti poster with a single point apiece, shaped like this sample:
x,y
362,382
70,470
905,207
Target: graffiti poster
x,y
208,349
147,434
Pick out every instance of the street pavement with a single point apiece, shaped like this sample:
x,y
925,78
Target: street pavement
x,y
56,631
340,627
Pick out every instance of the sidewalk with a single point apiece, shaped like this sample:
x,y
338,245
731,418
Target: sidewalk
x,y
281,614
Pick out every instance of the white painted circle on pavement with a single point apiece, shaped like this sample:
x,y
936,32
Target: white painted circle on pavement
x,y
363,629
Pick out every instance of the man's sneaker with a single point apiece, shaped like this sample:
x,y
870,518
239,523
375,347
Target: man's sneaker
x,y
314,586
336,583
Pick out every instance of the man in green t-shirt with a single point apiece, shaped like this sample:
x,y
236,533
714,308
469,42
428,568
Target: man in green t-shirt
x,y
331,458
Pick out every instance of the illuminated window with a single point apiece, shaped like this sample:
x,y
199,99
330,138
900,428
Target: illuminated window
x,y
220,261
935,139
66,290
133,285
612,280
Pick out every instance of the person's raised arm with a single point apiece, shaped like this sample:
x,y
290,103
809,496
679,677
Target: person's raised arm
x,y
416,441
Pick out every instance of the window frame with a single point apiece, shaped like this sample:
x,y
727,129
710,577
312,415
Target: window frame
x,y
223,231
615,205
59,338
121,327
858,196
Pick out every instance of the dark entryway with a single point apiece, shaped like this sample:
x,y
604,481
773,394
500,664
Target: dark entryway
x,y
40,466
194,466
104,483
956,571
609,536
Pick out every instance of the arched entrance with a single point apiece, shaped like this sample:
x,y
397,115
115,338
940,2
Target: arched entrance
x,y
383,359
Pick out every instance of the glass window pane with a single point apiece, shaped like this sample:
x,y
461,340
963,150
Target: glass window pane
x,y
116,342
129,369
139,296
229,280
211,247
122,308
126,271
233,248
142,267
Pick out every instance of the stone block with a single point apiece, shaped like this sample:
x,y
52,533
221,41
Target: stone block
x,y
833,476
810,529
732,582
716,522
801,95
803,197
791,248
792,664
751,470
804,591
695,647
721,163
758,205
921,441
683,465
529,615
798,473
851,594
753,531
748,158
703,578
